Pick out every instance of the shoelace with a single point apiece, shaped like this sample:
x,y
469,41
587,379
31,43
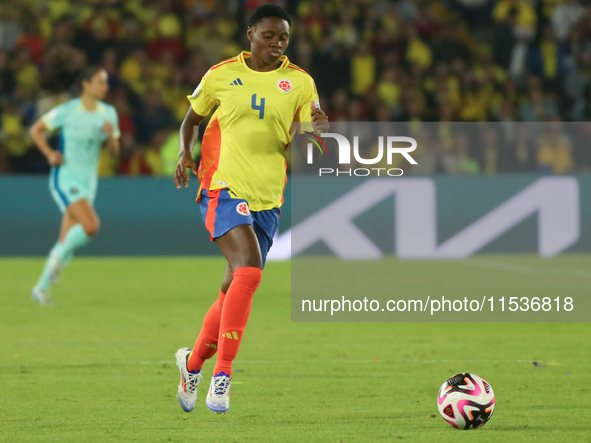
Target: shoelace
x,y
221,385
192,383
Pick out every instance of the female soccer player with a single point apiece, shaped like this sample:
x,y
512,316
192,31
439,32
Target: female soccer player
x,y
86,124
242,177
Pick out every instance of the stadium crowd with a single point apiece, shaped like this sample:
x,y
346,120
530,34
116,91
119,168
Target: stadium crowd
x,y
428,62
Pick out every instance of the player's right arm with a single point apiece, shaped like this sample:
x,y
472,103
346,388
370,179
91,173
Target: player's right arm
x,y
202,102
37,131
188,137
54,119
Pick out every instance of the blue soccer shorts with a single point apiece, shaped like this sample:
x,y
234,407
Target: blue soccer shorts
x,y
223,211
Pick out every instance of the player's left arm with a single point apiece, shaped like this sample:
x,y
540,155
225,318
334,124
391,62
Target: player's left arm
x,y
316,115
111,129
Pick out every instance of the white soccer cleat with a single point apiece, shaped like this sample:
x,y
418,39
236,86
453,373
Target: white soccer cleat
x,y
41,296
218,397
55,269
187,392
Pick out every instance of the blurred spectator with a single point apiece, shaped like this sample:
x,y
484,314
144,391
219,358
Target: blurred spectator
x,y
14,137
27,72
10,27
524,150
493,158
363,70
389,89
555,150
417,51
131,37
447,46
169,152
525,14
434,159
110,64
33,41
332,70
475,12
134,163
168,38
344,32
539,108
504,39
461,163
565,16
7,80
153,153
151,118
97,36
133,70
547,59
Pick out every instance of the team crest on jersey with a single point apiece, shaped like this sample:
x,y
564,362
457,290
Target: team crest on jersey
x,y
284,85
242,208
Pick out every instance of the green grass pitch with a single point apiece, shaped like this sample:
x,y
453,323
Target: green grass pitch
x,y
99,365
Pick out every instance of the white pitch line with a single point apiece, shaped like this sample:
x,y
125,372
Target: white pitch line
x,y
91,363
267,362
525,269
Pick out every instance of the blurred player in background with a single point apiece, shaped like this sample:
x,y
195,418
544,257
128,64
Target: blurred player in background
x,y
86,124
242,176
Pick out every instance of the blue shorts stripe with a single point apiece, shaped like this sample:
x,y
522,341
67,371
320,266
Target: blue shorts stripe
x,y
61,145
55,172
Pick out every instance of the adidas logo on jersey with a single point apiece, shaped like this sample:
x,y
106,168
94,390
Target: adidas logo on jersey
x,y
236,82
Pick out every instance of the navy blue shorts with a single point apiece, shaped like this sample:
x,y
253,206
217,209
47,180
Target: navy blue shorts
x,y
223,211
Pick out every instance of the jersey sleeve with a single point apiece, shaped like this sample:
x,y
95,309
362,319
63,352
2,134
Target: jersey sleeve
x,y
203,98
56,118
310,94
114,119
304,115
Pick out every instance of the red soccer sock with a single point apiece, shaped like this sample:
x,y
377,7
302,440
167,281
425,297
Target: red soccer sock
x,y
235,313
207,341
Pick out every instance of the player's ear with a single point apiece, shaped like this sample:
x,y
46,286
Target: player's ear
x,y
250,34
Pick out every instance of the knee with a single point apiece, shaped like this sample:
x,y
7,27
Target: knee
x,y
251,261
92,228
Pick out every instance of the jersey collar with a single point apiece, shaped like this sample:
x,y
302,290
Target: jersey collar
x,y
245,54
99,108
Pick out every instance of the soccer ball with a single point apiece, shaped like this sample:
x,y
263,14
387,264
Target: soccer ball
x,y
466,401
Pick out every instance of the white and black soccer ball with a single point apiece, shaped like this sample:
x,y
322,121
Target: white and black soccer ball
x,y
466,401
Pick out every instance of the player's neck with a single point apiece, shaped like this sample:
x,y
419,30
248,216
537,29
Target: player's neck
x,y
88,102
257,64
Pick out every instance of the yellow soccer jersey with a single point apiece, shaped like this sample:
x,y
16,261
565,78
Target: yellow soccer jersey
x,y
244,143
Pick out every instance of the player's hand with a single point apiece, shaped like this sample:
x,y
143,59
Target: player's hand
x,y
55,158
108,129
319,118
180,173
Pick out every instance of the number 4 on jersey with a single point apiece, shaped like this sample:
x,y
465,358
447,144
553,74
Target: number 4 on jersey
x,y
260,108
